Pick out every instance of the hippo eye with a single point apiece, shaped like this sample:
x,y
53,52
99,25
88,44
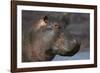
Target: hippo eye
x,y
57,26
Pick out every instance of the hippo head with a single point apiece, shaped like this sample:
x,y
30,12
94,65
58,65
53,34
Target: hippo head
x,y
48,39
64,44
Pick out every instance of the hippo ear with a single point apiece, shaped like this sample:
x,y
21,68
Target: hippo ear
x,y
66,20
45,18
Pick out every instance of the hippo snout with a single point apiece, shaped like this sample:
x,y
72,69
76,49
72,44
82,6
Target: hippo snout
x,y
67,47
73,50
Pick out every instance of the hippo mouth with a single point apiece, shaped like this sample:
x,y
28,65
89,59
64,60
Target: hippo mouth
x,y
72,52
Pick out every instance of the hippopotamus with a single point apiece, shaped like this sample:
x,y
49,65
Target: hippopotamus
x,y
46,39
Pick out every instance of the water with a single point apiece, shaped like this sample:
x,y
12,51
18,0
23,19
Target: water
x,y
79,56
